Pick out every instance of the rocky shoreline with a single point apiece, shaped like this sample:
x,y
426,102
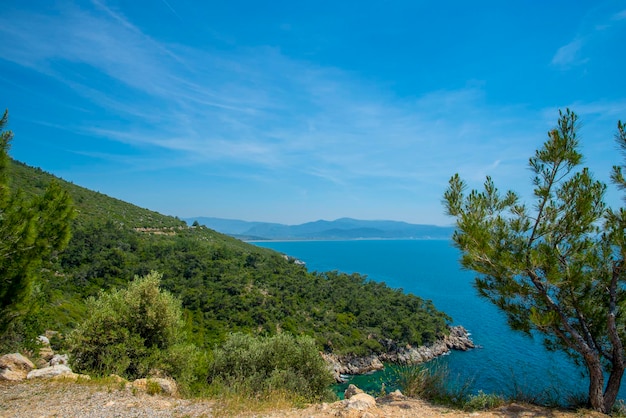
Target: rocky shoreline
x,y
458,339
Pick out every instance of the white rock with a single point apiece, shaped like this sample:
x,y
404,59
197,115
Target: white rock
x,y
49,372
361,402
59,359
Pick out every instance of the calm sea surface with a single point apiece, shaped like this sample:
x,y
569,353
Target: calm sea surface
x,y
505,361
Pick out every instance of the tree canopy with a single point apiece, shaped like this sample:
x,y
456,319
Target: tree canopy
x,y
31,232
134,330
556,267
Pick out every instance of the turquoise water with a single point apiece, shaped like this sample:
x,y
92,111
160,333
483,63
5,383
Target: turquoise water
x,y
505,362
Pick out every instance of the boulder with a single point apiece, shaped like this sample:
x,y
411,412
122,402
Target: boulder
x,y
351,391
15,367
59,359
166,386
41,363
459,339
360,402
394,396
46,353
49,372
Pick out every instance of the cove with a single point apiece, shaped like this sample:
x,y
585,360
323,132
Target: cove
x,y
506,363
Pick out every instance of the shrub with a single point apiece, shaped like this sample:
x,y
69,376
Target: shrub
x,y
153,388
258,365
432,382
483,401
134,331
420,381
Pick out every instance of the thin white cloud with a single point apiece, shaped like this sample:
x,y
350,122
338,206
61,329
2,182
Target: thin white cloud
x,y
262,114
579,51
172,10
569,55
620,15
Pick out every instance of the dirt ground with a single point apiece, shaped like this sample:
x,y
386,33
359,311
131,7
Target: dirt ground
x,y
68,399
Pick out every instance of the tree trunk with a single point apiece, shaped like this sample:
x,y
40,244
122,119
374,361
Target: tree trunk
x,y
596,383
612,387
617,358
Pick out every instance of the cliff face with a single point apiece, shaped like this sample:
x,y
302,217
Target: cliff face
x,y
458,339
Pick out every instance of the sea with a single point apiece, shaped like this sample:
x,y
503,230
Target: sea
x,y
506,362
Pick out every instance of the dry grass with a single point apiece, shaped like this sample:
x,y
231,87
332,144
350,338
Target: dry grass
x,y
232,404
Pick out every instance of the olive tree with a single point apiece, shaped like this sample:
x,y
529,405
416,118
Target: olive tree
x,y
134,331
555,268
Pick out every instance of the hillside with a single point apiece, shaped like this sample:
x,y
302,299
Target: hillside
x,y
224,284
91,206
340,229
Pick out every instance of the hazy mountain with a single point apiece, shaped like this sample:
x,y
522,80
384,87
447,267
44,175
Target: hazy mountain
x,y
344,228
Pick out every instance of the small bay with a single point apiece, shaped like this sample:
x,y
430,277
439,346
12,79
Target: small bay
x,y
506,362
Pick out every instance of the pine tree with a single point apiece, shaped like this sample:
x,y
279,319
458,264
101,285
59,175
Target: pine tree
x,y
31,232
556,269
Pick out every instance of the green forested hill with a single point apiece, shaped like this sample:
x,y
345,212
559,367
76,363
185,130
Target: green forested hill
x,y
224,284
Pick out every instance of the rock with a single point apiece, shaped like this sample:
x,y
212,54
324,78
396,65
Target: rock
x,y
350,365
59,359
46,353
12,375
360,402
15,367
49,372
165,386
394,396
351,391
118,379
459,339
140,384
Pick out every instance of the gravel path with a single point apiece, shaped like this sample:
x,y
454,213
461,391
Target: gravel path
x,y
67,399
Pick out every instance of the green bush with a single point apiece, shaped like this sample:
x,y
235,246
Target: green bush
x,y
483,401
421,381
432,382
258,365
133,332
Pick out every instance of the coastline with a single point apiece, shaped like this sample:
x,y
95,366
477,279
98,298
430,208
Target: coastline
x,y
254,241
458,339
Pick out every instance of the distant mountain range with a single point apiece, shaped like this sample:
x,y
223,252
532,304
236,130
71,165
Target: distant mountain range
x,y
340,229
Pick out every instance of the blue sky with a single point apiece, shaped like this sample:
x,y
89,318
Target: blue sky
x,y
293,111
